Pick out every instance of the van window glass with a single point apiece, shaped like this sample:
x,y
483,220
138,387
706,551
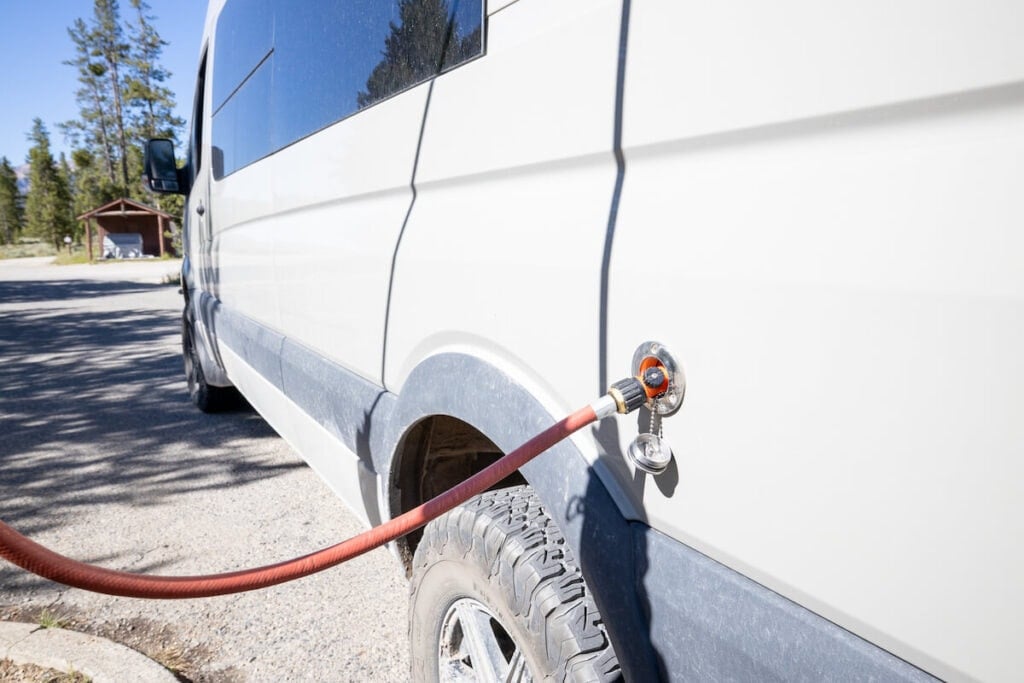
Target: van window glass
x,y
195,145
245,36
241,129
325,61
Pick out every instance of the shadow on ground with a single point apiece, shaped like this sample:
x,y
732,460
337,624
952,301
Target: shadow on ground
x,y
38,291
93,408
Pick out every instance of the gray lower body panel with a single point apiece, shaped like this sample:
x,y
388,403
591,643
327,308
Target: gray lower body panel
x,y
710,623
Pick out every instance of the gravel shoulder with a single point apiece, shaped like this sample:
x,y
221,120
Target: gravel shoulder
x,y
103,459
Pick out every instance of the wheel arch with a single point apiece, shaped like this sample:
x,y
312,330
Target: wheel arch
x,y
574,496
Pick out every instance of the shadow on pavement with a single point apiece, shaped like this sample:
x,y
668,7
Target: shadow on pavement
x,y
94,410
38,291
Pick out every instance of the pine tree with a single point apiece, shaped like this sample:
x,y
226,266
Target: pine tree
x,y
91,186
48,204
101,58
153,101
123,101
92,130
109,44
67,178
10,210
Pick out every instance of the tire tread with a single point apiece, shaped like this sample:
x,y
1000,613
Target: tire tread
x,y
507,532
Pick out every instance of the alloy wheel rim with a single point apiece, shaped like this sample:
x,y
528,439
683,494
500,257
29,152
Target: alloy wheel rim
x,y
475,646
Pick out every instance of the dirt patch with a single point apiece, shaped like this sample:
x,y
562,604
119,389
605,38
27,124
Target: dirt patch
x,y
159,642
30,673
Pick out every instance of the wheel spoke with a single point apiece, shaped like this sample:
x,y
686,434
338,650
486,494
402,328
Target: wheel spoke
x,y
485,654
517,671
474,647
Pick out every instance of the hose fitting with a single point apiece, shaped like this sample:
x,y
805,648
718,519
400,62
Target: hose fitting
x,y
629,394
652,381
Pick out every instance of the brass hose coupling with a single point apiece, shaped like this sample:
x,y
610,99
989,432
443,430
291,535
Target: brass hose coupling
x,y
633,392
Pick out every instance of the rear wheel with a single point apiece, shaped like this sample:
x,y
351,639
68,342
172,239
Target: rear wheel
x,y
207,398
496,595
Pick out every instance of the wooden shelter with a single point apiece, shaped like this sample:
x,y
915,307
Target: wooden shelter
x,y
127,216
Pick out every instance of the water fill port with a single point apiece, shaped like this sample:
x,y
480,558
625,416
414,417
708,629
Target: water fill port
x,y
650,357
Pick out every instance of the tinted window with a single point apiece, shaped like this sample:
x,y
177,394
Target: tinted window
x,y
195,147
245,36
325,61
241,129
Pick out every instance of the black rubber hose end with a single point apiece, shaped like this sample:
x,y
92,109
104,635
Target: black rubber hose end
x,y
629,394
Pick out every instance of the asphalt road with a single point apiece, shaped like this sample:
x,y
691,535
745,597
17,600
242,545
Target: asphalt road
x,y
103,458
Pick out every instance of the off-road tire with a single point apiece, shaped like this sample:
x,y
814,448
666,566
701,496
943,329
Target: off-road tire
x,y
206,397
502,550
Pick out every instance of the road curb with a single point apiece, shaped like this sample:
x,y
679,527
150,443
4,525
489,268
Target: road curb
x,y
102,660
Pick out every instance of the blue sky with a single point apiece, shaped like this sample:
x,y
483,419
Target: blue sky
x,y
34,82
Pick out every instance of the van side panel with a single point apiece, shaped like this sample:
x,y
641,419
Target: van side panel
x,y
241,258
516,170
835,192
303,243
337,229
305,237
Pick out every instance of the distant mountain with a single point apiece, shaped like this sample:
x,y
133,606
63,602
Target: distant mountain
x,y
22,173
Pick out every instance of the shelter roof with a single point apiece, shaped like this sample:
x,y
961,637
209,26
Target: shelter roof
x,y
123,207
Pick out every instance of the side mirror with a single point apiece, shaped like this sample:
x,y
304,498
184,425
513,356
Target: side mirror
x,y
159,169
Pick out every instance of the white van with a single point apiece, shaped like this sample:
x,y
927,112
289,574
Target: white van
x,y
419,231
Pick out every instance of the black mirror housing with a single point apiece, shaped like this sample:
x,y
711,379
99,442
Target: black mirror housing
x,y
160,170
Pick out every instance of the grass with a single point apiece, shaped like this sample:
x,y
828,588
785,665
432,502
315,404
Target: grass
x,y
174,658
48,619
76,256
25,248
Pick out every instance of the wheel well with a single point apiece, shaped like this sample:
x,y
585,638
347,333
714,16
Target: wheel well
x,y
435,454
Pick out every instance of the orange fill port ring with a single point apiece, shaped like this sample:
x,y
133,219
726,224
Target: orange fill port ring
x,y
653,392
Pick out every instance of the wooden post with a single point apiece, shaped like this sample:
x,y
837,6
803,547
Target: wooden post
x,y
160,223
88,236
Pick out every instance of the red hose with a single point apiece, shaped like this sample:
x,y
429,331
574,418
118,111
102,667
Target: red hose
x,y
33,557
